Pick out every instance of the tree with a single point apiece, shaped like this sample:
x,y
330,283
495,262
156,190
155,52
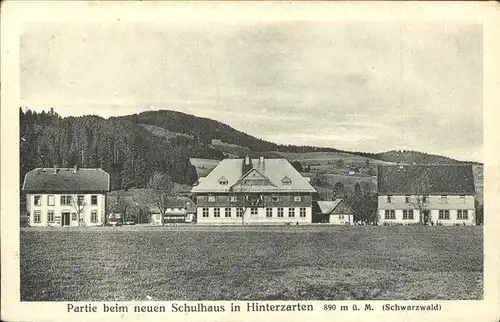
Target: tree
x,y
420,202
319,180
120,205
339,164
339,190
298,166
78,203
161,192
479,212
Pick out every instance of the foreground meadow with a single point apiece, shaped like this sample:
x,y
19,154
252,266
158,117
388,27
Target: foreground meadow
x,y
252,263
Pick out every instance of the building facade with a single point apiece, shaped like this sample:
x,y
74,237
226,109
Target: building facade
x,y
253,191
336,212
426,194
65,197
182,210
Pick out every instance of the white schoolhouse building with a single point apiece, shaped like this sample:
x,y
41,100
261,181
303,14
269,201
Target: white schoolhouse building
x,y
253,191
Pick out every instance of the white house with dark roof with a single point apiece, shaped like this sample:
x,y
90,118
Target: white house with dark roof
x,y
426,194
64,197
336,212
253,191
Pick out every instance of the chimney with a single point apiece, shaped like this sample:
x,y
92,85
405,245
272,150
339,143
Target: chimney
x,y
261,160
55,168
75,168
247,160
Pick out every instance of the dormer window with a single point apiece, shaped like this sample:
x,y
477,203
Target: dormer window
x,y
286,181
223,181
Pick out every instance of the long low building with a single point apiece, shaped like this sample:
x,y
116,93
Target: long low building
x,y
426,194
253,191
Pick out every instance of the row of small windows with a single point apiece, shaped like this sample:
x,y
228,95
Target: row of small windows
x,y
37,216
253,212
424,199
274,198
443,214
286,181
64,199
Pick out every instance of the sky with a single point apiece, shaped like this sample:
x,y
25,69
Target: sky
x,y
359,85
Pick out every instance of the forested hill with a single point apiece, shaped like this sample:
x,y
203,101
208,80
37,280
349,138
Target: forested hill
x,y
130,151
205,130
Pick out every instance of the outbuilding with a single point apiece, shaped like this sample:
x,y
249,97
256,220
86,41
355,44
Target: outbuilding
x,y
333,212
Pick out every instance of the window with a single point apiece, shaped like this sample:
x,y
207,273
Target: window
x,y
37,216
280,212
50,216
269,212
204,212
223,181
211,198
239,212
444,214
297,198
227,212
65,200
216,212
390,214
286,181
50,201
233,198
444,199
461,199
291,212
341,217
408,214
253,211
81,199
73,216
93,200
302,212
37,200
462,214
425,199
275,198
93,216
389,199
407,199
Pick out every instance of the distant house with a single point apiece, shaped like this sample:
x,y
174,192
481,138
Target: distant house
x,y
333,212
254,191
426,194
353,170
182,210
63,197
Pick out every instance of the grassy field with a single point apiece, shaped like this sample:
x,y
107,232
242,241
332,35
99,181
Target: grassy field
x,y
252,263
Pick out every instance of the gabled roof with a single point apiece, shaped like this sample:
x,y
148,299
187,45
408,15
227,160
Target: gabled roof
x,y
327,206
65,180
426,179
273,169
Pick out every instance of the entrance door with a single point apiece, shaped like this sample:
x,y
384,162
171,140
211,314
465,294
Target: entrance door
x,y
65,219
426,217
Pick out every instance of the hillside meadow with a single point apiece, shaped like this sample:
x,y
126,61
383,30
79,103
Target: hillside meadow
x,y
252,263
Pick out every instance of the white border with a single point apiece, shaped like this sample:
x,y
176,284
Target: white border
x,y
14,13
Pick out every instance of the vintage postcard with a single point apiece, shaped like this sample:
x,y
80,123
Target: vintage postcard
x,y
238,161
